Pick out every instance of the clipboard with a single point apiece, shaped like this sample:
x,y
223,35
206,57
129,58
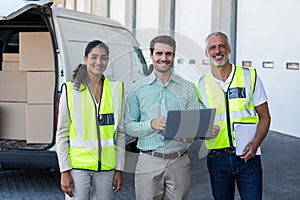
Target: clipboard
x,y
243,134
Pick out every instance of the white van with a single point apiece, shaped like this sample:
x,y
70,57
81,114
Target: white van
x,y
40,47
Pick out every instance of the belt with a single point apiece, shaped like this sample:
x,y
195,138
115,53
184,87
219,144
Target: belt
x,y
227,149
173,155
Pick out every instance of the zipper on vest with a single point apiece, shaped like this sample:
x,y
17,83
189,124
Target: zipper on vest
x,y
98,127
98,136
228,120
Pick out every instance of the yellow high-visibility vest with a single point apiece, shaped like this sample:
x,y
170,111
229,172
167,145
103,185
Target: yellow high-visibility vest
x,y
235,105
92,132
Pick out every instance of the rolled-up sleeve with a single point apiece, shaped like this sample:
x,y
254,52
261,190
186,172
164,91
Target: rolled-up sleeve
x,y
133,126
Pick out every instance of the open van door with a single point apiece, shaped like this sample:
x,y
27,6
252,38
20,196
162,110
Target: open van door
x,y
28,63
10,9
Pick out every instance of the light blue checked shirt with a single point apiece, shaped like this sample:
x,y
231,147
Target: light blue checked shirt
x,y
149,99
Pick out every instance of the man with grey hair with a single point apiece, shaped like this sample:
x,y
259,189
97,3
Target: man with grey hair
x,y
239,97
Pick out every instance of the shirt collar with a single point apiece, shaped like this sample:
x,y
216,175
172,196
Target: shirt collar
x,y
152,78
228,80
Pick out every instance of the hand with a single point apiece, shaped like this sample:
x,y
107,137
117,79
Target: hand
x,y
159,123
67,183
118,181
214,132
185,140
249,151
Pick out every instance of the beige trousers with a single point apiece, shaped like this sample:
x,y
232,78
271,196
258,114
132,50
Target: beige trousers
x,y
158,178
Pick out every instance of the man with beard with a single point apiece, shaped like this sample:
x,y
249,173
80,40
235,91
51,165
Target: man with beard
x,y
239,97
163,166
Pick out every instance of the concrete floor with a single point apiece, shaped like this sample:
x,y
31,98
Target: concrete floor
x,y
280,162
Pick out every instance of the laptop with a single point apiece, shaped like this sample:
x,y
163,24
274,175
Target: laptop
x,y
196,123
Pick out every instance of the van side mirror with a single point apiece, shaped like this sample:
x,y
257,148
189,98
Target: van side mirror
x,y
150,69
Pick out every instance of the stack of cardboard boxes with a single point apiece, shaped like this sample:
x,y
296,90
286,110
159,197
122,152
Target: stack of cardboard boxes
x,y
27,82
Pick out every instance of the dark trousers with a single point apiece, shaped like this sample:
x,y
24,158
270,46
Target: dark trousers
x,y
226,168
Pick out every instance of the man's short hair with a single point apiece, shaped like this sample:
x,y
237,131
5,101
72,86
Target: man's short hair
x,y
216,33
166,39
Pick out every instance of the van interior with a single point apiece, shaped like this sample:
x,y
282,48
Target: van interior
x,y
27,83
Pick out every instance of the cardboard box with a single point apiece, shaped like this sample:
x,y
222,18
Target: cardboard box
x,y
36,51
11,57
39,127
40,87
10,66
13,86
13,121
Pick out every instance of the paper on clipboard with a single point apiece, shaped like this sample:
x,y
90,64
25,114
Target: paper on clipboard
x,y
244,133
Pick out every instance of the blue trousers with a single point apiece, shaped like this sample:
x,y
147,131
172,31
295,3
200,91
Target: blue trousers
x,y
226,168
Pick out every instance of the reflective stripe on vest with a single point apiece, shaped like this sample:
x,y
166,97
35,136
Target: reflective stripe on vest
x,y
92,143
239,96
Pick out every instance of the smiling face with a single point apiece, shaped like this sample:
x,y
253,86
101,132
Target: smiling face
x,y
162,57
217,50
96,61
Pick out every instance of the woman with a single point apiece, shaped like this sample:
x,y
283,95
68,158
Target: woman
x,y
90,133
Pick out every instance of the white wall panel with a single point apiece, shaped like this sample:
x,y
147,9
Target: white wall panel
x,y
147,14
269,31
193,19
117,10
84,6
147,23
192,25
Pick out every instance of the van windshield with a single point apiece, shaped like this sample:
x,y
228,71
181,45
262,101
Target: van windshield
x,y
140,62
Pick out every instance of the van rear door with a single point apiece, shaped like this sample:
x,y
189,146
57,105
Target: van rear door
x,y
26,33
28,62
10,9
